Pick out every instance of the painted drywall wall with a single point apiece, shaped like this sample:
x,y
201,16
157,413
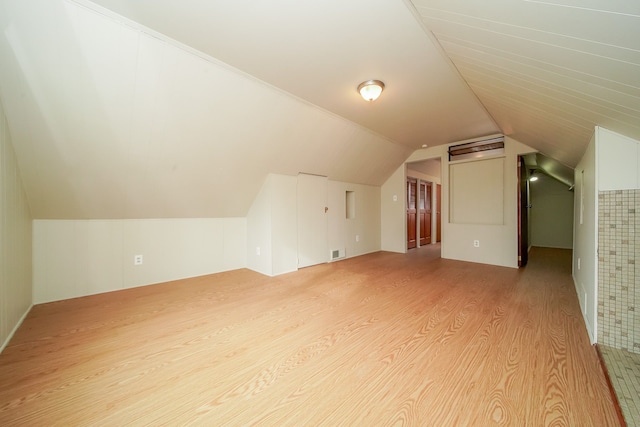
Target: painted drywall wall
x,y
73,258
284,239
360,234
618,161
476,191
272,241
272,223
551,213
585,237
393,212
15,240
259,231
498,242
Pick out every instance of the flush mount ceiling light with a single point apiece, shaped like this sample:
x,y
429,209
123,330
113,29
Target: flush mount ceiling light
x,y
534,176
371,89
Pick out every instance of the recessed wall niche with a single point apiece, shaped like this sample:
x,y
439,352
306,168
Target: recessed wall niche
x,y
350,203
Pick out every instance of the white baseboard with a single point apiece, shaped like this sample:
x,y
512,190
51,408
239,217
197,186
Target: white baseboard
x,y
13,331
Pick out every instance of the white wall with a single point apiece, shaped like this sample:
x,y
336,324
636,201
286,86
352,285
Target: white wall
x,y
551,215
15,240
284,238
259,231
393,212
498,243
272,240
358,235
585,237
73,258
618,161
272,223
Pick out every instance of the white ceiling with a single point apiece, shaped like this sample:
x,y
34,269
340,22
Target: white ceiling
x,y
159,108
321,50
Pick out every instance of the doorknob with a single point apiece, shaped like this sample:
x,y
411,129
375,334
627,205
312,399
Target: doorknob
x,y
326,209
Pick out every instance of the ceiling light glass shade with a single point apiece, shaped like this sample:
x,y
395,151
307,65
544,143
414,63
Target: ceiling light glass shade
x,y
371,89
533,177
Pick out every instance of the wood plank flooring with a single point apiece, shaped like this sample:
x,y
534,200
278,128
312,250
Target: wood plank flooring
x,y
379,340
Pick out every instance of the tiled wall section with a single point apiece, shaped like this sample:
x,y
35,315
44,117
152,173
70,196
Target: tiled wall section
x,y
618,279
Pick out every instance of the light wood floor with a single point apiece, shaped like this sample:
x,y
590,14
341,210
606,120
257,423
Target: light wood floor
x,y
382,339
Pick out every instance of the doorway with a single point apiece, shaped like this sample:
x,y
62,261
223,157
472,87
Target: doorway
x,y
419,212
438,213
523,214
423,203
412,186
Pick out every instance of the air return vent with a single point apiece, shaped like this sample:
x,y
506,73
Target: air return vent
x,y
472,150
337,254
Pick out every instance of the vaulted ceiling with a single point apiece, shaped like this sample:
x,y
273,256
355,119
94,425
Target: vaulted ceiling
x,y
159,108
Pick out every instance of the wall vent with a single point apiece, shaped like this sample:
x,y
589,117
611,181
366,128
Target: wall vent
x,y
337,254
473,150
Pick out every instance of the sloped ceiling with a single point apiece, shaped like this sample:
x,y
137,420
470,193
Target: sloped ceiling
x,y
111,119
160,108
547,71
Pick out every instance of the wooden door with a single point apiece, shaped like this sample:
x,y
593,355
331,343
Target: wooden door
x,y
312,220
523,214
425,213
411,212
438,210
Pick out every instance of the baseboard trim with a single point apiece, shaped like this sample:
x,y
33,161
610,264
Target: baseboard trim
x,y
614,396
13,331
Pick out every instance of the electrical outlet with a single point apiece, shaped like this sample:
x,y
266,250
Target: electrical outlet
x,y
257,250
357,237
578,263
395,198
476,243
137,260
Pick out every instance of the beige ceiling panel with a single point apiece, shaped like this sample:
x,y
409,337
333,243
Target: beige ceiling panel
x,y
599,23
577,110
571,78
547,71
560,56
559,84
556,113
554,138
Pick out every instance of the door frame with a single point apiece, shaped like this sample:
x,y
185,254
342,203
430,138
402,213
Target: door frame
x,y
436,179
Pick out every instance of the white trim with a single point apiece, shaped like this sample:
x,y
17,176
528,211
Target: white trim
x,y
24,316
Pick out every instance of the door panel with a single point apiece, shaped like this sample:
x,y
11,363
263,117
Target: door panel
x,y
425,213
523,214
411,212
312,220
438,210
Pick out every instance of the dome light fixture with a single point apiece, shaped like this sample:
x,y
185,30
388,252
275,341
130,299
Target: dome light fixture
x,y
371,89
534,176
